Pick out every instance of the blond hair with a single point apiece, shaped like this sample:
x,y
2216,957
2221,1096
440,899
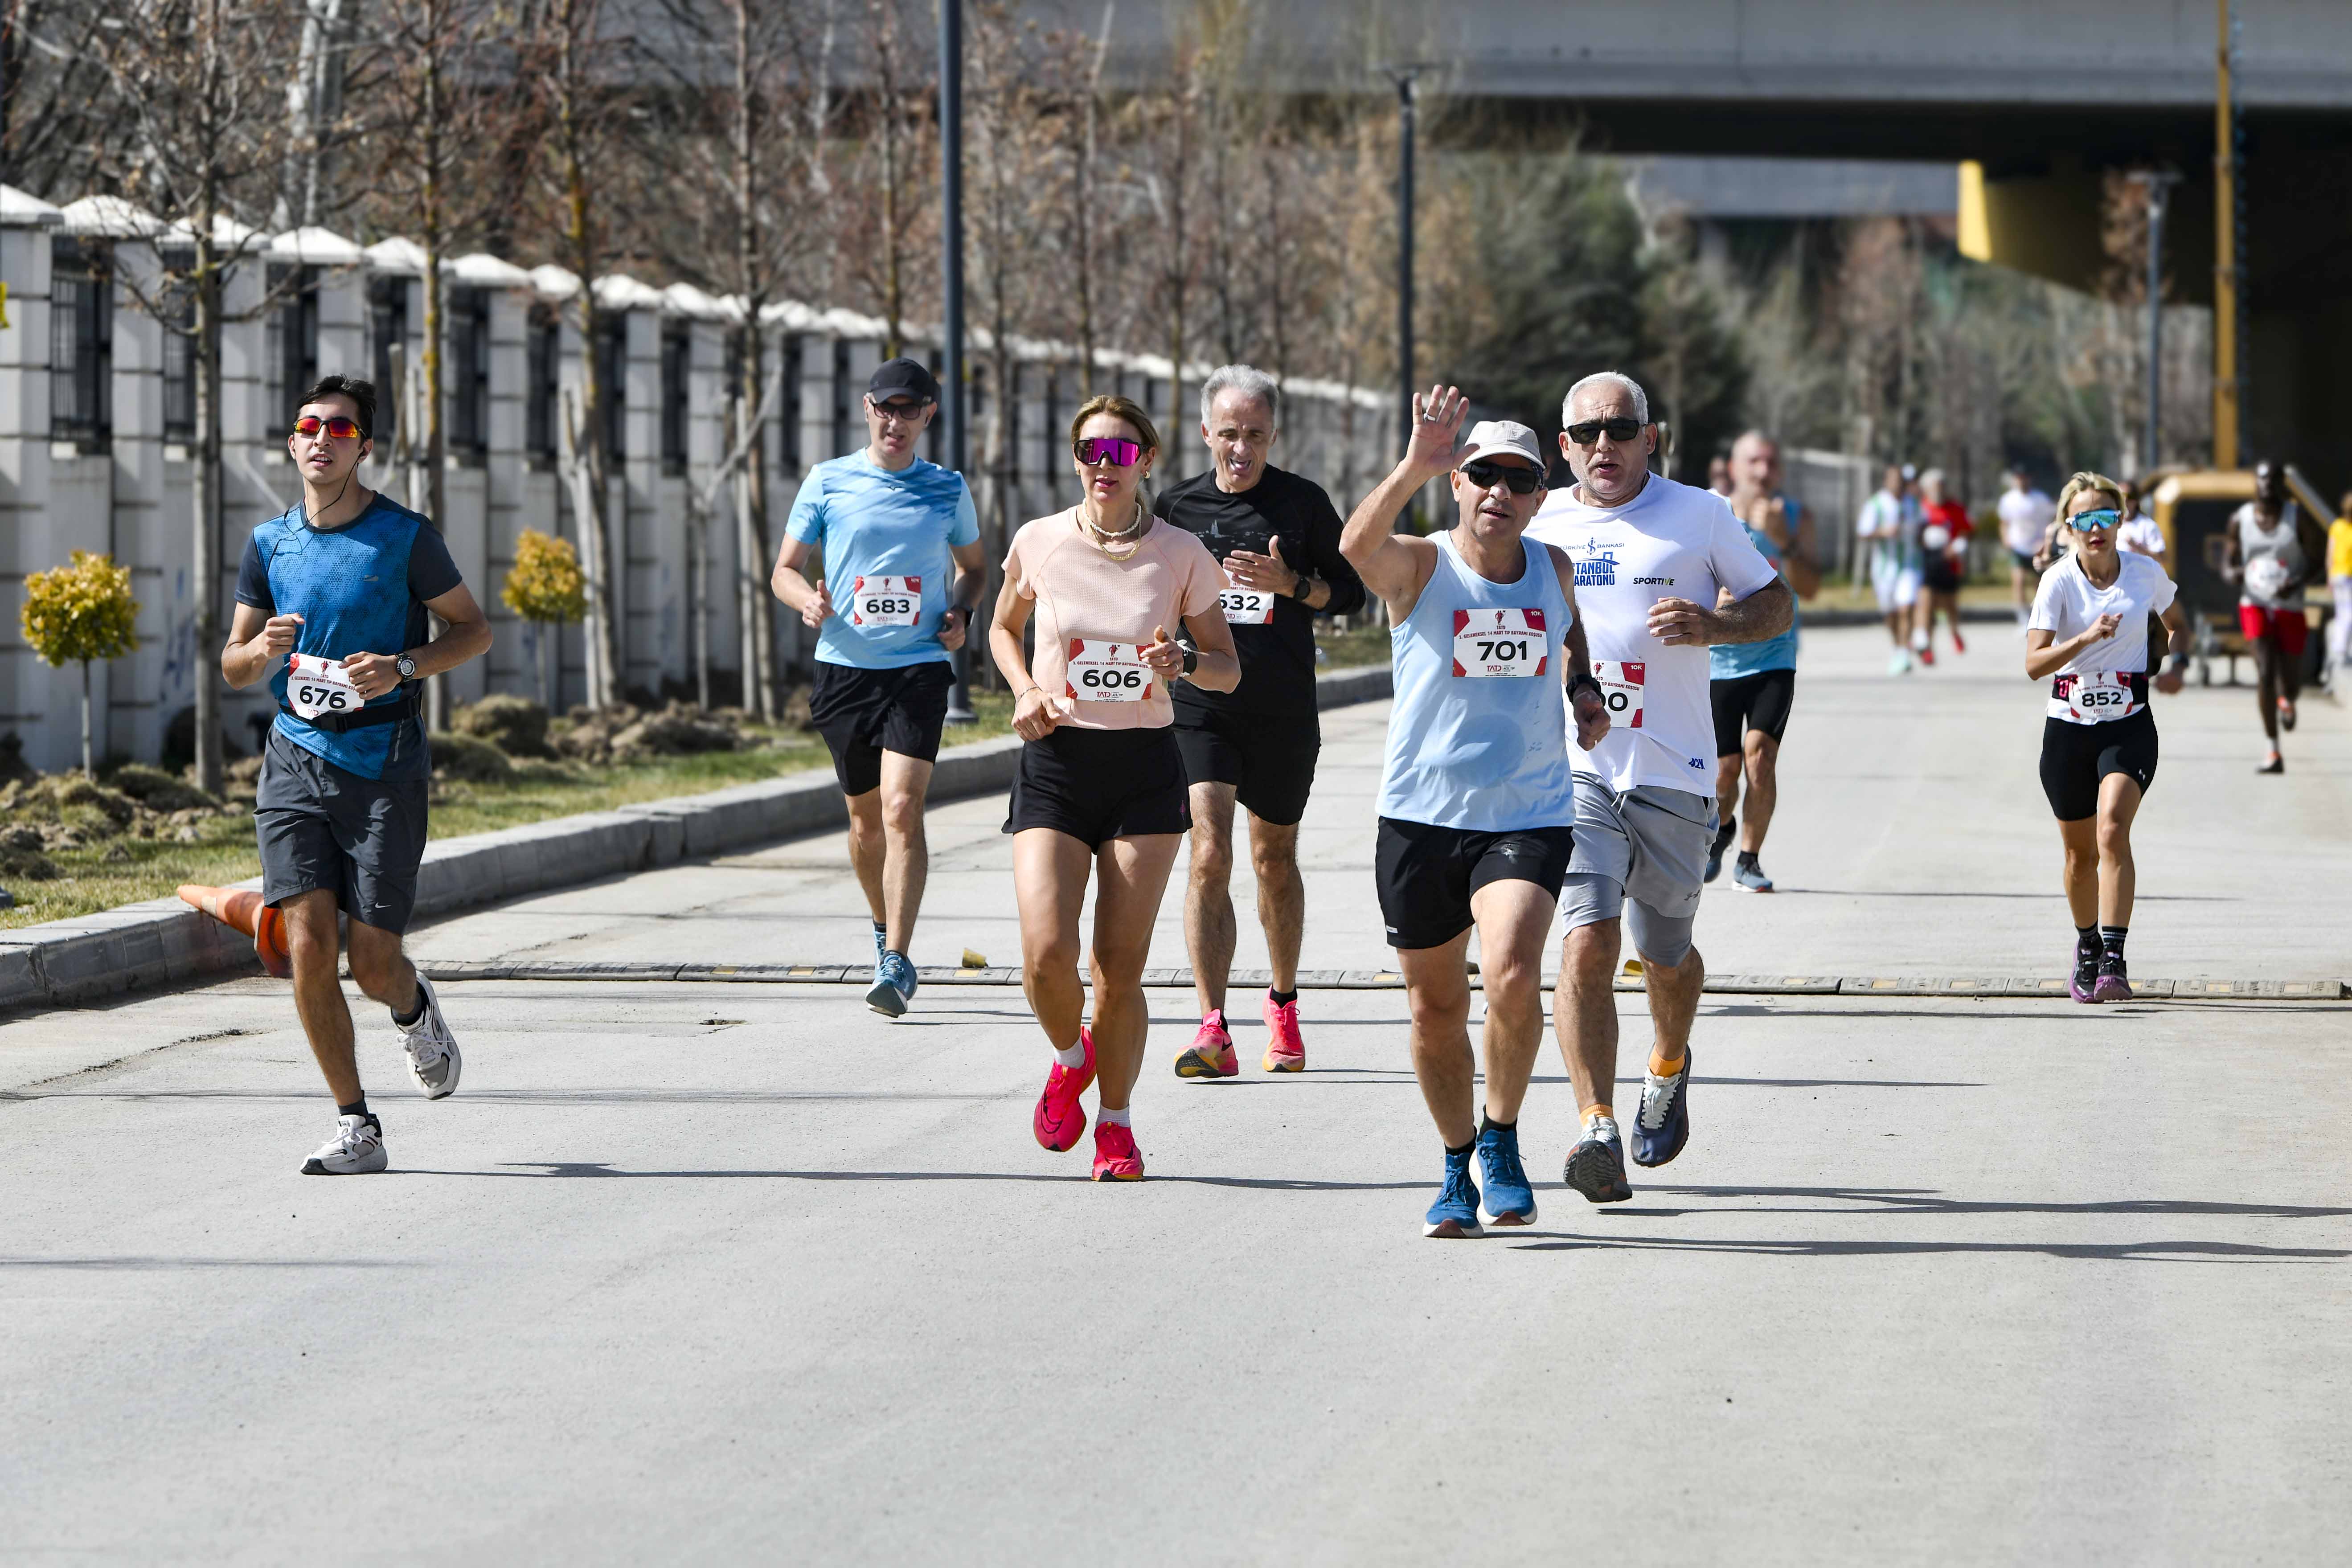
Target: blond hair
x,y
2086,480
1118,407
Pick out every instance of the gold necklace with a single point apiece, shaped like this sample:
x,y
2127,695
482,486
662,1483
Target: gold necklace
x,y
1132,534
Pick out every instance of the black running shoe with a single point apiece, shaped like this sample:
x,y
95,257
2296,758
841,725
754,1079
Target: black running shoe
x,y
1596,1167
1715,850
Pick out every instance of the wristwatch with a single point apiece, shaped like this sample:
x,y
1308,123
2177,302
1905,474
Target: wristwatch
x,y
407,666
1192,654
1304,586
1577,683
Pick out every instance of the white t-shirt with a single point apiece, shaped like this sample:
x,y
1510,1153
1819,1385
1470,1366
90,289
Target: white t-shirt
x,y
1671,540
2024,518
2066,604
2140,533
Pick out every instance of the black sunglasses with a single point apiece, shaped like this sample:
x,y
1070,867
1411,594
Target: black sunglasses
x,y
1589,431
1523,481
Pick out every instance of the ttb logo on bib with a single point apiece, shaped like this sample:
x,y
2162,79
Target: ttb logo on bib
x,y
1107,672
1499,644
1620,688
885,601
317,687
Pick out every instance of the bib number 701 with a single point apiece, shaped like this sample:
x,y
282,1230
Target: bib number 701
x,y
1506,643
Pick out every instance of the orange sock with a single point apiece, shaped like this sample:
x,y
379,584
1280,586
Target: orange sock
x,y
1603,1109
1663,1066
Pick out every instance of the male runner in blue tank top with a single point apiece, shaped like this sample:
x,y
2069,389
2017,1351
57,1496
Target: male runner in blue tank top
x,y
1475,799
340,586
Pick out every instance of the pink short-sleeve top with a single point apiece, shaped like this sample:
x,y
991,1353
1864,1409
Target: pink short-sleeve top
x,y
1099,611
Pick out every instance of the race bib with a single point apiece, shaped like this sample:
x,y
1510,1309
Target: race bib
x,y
885,601
2267,575
1509,645
1107,672
1620,688
319,686
1245,606
2094,697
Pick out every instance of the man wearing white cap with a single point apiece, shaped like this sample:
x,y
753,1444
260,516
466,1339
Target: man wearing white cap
x,y
1653,561
1475,795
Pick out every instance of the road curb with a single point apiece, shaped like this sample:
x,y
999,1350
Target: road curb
x,y
163,942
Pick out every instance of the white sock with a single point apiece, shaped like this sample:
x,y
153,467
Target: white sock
x,y
1602,1126
1074,1059
1120,1117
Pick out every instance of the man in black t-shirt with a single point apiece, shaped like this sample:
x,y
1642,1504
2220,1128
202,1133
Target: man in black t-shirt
x,y
1278,540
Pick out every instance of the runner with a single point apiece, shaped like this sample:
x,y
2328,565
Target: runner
x,y
1474,794
2025,514
1752,684
1944,533
1101,785
1654,560
1278,540
2262,554
1890,520
341,813
2089,640
2340,588
2139,534
890,528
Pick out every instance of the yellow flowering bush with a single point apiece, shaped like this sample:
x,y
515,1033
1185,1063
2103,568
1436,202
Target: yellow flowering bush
x,y
544,583
77,614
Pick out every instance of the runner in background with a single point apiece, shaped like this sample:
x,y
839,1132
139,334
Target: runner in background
x,y
1718,474
1752,684
2262,554
1277,538
2025,514
1944,533
2139,534
2088,638
2340,588
341,586
1890,520
1100,791
903,569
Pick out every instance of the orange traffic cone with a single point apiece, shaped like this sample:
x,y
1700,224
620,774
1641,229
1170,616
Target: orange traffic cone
x,y
241,909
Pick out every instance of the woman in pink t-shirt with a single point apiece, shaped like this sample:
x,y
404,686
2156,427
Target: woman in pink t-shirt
x,y
1101,789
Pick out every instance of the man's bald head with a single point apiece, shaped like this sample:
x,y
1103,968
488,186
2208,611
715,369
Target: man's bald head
x,y
1755,465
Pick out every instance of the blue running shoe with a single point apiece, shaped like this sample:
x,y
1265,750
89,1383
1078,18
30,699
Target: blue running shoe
x,y
1455,1213
1662,1126
1715,849
1750,877
894,985
1510,1196
1596,1166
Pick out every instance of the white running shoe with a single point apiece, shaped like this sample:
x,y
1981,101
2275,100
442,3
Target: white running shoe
x,y
432,1058
355,1150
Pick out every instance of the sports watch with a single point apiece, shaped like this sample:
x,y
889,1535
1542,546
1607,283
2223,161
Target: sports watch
x,y
407,666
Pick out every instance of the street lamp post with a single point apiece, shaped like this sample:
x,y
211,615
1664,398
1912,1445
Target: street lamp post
x,y
952,389
1404,76
2160,182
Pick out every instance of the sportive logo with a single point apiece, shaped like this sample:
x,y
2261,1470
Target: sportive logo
x,y
1669,582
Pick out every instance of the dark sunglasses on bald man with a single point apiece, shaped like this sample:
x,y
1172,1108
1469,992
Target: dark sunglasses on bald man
x,y
1483,474
1587,432
337,426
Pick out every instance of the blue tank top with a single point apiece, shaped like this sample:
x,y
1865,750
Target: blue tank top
x,y
1478,731
1729,661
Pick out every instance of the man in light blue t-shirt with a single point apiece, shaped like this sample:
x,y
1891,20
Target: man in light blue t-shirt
x,y
1752,684
902,571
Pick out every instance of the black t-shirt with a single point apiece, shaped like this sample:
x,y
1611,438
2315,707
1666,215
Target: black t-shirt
x,y
1278,658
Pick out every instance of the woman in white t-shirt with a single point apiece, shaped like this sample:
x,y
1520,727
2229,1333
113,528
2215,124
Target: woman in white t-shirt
x,y
2088,637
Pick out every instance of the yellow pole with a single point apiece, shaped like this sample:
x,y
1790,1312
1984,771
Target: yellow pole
x,y
2225,261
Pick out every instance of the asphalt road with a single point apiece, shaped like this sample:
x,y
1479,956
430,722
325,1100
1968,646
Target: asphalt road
x,y
688,1272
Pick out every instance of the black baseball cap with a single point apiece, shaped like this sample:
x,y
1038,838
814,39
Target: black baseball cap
x,y
903,378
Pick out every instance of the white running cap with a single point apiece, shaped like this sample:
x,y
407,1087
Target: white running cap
x,y
1492,437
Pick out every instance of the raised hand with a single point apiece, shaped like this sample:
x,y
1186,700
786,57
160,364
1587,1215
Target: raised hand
x,y
278,634
1436,430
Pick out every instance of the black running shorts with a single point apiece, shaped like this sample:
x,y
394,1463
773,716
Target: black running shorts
x,y
2077,758
323,826
1268,760
863,713
1758,701
1427,875
1100,784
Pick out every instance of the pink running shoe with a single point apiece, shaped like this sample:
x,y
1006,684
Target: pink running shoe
x,y
1060,1118
1285,1051
1211,1053
1117,1158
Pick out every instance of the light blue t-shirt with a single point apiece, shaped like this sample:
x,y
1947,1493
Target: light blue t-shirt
x,y
870,523
1729,661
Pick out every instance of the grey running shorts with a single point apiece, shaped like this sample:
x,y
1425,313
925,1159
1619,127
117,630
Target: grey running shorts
x,y
1648,846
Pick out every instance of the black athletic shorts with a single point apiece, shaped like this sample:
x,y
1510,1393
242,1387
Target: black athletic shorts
x,y
1100,784
1941,575
1268,760
323,826
2077,758
1427,874
1758,701
863,713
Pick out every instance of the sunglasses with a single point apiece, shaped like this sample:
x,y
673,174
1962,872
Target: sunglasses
x,y
1117,450
2084,522
339,427
905,413
1483,474
1591,430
